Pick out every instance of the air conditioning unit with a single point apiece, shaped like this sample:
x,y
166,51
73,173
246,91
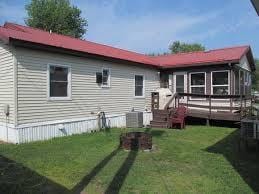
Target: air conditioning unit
x,y
134,119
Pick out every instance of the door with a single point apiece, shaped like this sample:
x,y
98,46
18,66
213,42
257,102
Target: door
x,y
180,83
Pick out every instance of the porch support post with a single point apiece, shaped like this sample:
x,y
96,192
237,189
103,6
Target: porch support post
x,y
208,122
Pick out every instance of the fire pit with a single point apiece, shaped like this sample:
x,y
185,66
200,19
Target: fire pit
x,y
136,140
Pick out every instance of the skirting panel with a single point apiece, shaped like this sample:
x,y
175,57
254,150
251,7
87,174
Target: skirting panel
x,y
8,133
44,131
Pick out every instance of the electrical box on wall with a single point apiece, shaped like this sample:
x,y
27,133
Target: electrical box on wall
x,y
99,77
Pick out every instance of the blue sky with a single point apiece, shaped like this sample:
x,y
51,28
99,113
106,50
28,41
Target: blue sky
x,y
150,25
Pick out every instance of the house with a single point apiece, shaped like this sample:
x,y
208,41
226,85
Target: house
x,y
53,85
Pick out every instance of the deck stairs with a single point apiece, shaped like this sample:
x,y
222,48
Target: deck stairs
x,y
160,119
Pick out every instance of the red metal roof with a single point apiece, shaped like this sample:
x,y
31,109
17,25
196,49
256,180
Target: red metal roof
x,y
18,32
203,58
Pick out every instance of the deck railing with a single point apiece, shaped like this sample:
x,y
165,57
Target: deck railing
x,y
242,108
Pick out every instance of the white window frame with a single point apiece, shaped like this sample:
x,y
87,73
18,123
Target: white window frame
x,y
69,88
143,90
228,85
109,78
184,73
193,86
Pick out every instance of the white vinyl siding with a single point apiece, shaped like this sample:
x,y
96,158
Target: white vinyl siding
x,y
86,96
6,82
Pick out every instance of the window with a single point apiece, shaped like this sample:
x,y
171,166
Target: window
x,y
106,78
197,83
59,82
139,86
179,79
220,82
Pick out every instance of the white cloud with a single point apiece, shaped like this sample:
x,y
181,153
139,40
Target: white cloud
x,y
145,33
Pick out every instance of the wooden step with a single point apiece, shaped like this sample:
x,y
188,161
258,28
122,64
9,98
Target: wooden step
x,y
158,124
159,117
160,112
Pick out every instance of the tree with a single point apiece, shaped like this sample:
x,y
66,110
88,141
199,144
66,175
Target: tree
x,y
181,47
56,15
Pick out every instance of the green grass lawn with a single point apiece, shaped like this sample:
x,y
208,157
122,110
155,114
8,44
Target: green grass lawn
x,y
199,159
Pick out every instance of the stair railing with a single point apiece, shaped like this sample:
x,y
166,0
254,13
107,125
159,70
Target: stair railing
x,y
173,97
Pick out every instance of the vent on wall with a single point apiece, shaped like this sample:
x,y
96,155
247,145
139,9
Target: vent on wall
x,y
134,119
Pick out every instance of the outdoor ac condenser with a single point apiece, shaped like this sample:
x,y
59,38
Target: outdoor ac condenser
x,y
134,119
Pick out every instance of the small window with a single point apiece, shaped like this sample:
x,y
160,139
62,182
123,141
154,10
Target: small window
x,y
59,82
139,85
106,78
197,81
220,83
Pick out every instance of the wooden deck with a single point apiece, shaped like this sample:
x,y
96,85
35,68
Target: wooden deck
x,y
237,107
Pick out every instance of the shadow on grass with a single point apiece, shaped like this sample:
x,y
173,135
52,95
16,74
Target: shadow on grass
x,y
246,163
119,178
216,123
86,180
16,179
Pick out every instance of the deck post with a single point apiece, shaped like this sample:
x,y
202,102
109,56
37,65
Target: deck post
x,y
209,106
241,106
208,122
245,105
231,105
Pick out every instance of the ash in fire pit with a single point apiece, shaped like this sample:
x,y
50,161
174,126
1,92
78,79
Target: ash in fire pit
x,y
136,140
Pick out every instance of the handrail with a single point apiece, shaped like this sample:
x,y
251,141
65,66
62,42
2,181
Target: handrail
x,y
170,101
214,96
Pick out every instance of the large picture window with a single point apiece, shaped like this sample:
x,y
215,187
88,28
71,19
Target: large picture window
x,y
139,86
220,82
59,82
197,83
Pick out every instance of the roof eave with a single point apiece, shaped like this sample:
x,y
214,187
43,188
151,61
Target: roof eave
x,y
250,57
18,41
201,64
4,38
